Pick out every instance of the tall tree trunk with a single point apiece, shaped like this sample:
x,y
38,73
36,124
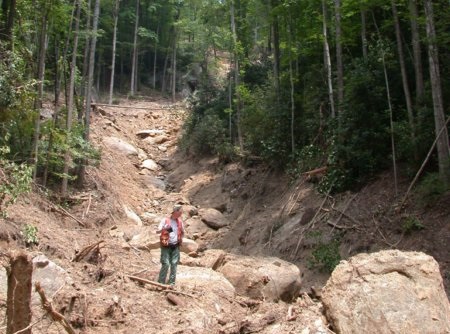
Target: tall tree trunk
x,y
55,114
417,52
276,50
443,148
328,60
406,91
134,57
86,54
339,62
113,61
236,77
7,22
89,85
70,103
291,81
18,311
163,84
174,66
364,35
388,95
40,92
155,53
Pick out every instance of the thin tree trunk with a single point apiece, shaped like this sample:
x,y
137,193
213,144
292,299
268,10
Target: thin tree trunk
x,y
174,66
391,118
89,84
406,91
113,61
86,54
8,13
276,51
291,81
70,103
328,60
339,62
364,35
134,57
417,52
236,78
40,93
443,148
155,56
163,84
55,114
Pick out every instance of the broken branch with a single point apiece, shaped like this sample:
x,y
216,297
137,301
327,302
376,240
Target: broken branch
x,y
47,306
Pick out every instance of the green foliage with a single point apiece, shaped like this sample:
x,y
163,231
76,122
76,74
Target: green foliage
x,y
325,254
29,235
411,224
59,142
307,158
430,189
15,179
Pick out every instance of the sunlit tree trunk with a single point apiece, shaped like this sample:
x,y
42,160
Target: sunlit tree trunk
x,y
443,148
40,92
113,56
89,84
86,53
328,60
134,57
70,103
291,81
236,77
174,68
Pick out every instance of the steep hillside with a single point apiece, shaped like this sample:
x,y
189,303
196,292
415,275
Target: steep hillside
x,y
269,215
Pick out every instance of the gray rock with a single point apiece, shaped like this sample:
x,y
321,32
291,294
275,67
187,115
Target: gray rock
x,y
387,292
120,145
213,218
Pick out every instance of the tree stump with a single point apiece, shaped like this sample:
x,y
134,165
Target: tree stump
x,y
18,312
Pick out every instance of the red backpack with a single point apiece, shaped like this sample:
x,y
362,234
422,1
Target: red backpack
x,y
164,237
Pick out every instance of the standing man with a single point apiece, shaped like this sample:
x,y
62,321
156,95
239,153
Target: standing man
x,y
172,231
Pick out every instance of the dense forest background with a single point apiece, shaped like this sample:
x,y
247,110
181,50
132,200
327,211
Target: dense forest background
x,y
353,87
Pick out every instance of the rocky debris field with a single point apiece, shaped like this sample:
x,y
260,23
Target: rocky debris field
x,y
244,264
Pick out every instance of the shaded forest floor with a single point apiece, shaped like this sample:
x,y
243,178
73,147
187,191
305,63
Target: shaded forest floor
x,y
270,215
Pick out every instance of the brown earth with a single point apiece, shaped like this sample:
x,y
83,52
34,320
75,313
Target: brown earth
x,y
270,215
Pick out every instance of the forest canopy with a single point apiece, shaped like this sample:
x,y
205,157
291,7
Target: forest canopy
x,y
355,87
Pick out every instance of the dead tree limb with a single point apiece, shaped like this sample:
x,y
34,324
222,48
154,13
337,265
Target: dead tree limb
x,y
86,250
47,306
166,287
402,203
129,107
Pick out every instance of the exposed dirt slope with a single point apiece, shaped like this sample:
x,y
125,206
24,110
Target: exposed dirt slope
x,y
269,214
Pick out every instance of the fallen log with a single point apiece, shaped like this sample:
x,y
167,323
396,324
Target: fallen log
x,y
165,287
86,250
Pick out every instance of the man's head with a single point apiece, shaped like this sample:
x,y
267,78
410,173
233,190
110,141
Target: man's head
x,y
177,210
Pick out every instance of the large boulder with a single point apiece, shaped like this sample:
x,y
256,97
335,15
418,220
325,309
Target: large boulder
x,y
213,218
51,276
121,145
387,292
262,278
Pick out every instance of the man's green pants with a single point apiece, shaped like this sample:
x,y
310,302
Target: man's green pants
x,y
170,256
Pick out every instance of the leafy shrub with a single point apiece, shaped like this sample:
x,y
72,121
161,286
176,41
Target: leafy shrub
x,y
15,179
325,254
411,224
29,235
431,188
